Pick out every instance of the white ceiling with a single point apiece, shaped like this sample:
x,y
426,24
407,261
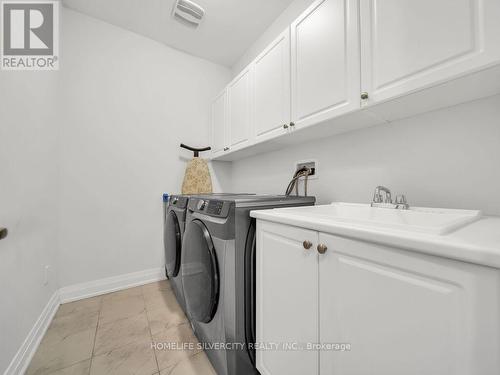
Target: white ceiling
x,y
229,27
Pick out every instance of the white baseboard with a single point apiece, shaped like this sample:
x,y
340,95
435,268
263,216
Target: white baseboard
x,y
22,359
110,284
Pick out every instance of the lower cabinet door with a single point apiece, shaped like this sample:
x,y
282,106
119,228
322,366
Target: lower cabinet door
x,y
286,299
404,312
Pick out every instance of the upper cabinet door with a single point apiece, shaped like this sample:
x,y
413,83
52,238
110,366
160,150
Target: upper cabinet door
x,y
219,124
239,93
286,298
272,88
325,66
407,45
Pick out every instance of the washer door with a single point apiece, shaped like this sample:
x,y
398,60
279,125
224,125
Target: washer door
x,y
173,244
200,272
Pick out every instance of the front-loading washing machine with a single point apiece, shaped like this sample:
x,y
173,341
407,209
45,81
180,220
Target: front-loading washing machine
x,y
174,218
218,275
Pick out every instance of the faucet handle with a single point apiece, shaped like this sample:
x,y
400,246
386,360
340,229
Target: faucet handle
x,y
377,197
401,202
400,199
388,197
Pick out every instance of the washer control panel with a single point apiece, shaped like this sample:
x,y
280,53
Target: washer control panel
x,y
178,201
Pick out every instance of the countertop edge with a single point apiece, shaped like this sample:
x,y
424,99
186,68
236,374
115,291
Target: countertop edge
x,y
440,246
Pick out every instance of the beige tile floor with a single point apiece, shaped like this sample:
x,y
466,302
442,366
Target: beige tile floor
x,y
114,333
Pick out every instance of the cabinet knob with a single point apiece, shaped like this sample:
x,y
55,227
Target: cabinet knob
x,y
364,95
322,248
307,244
226,148
285,126
292,124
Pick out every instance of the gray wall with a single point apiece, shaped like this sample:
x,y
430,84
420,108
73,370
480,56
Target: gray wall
x,y
447,158
28,202
128,103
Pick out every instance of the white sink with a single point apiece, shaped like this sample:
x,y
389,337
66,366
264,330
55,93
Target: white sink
x,y
437,221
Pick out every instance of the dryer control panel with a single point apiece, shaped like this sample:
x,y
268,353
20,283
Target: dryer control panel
x,y
215,207
212,207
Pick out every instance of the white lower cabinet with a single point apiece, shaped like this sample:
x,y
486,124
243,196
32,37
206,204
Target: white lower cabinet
x,y
398,312
287,298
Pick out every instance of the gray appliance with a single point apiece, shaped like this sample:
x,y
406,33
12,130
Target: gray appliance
x,y
174,218
218,274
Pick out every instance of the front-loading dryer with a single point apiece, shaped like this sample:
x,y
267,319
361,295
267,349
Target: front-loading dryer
x,y
218,275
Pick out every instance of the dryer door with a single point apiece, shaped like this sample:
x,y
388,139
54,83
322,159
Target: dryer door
x,y
250,251
200,273
173,243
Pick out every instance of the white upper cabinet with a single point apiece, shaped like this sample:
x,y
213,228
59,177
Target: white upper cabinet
x,y
407,45
325,64
272,89
399,57
239,97
219,124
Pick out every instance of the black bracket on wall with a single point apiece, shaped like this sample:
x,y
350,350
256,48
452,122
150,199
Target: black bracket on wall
x,y
195,150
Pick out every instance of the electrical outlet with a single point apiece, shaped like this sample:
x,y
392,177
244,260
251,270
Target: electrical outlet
x,y
312,164
46,274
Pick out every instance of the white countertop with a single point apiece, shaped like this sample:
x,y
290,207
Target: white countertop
x,y
477,242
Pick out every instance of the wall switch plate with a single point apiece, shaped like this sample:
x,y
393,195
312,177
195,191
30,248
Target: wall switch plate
x,y
309,163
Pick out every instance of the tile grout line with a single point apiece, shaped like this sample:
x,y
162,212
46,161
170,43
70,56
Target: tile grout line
x,y
67,367
113,322
150,333
99,324
95,335
53,371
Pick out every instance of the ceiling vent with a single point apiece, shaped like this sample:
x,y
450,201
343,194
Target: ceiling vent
x,y
188,13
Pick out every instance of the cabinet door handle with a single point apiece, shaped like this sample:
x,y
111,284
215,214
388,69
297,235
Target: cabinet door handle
x,y
285,126
322,248
292,124
226,148
307,244
364,95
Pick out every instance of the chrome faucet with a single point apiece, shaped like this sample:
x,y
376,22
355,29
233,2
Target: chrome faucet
x,y
383,198
379,198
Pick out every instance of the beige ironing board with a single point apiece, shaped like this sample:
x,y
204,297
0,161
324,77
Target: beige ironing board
x,y
197,179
